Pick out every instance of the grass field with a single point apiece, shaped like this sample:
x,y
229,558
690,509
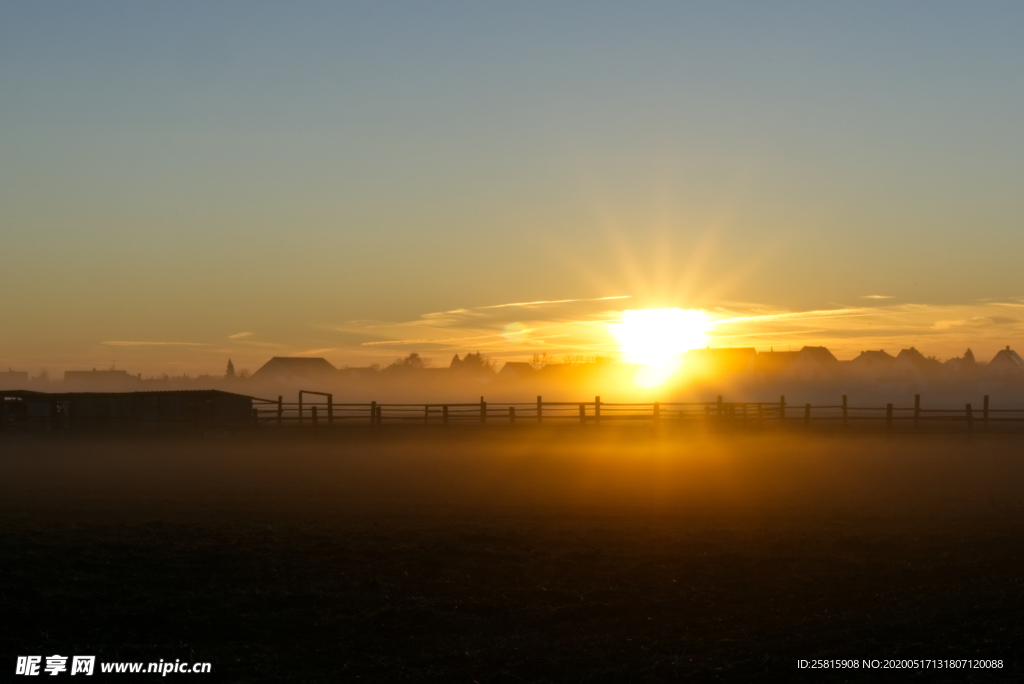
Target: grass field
x,y
575,555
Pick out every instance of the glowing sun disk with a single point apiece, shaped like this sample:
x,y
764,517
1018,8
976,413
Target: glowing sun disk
x,y
657,338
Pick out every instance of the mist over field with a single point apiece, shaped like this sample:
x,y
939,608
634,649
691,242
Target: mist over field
x,y
546,555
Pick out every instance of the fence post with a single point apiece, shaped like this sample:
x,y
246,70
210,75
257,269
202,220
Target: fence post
x,y
970,420
300,408
483,410
330,409
511,415
373,413
844,410
280,410
782,410
597,410
444,414
888,416
984,414
657,412
807,416
583,414
917,410
255,418
426,414
540,413
314,416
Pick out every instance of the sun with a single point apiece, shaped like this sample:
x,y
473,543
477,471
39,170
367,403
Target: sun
x,y
656,340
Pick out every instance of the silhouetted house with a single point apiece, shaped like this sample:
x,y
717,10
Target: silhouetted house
x,y
560,373
12,379
721,362
771,365
361,374
473,366
1005,364
572,376
400,373
964,366
100,381
174,410
400,370
291,370
813,364
517,370
913,368
870,366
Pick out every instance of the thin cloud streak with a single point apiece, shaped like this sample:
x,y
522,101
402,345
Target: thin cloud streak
x,y
309,352
541,302
794,316
146,343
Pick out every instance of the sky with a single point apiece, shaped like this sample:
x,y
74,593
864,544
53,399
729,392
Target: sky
x,y
185,182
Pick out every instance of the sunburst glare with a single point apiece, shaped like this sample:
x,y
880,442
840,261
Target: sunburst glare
x,y
656,340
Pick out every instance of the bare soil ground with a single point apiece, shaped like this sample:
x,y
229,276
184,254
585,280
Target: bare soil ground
x,y
575,555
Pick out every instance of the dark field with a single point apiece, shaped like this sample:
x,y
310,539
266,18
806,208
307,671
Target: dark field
x,y
539,556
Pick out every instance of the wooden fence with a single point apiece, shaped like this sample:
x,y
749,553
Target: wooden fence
x,y
324,412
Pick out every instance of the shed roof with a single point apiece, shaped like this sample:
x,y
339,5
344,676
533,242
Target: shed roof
x,y
295,366
59,396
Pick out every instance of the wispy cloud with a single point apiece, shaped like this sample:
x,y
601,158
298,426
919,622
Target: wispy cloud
x,y
257,343
554,301
793,316
944,330
474,338
310,352
148,343
573,326
499,330
238,336
877,297
539,302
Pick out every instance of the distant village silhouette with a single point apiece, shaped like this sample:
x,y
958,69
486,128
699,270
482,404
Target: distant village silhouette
x,y
811,373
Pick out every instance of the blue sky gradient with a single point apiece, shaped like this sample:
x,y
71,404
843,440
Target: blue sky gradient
x,y
183,172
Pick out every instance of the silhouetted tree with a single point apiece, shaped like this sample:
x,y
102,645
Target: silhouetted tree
x,y
473,364
540,360
478,360
231,370
413,360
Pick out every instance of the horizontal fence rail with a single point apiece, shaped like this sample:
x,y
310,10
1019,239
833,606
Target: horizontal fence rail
x,y
324,412
318,410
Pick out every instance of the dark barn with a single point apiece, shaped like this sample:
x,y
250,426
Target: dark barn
x,y
82,411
